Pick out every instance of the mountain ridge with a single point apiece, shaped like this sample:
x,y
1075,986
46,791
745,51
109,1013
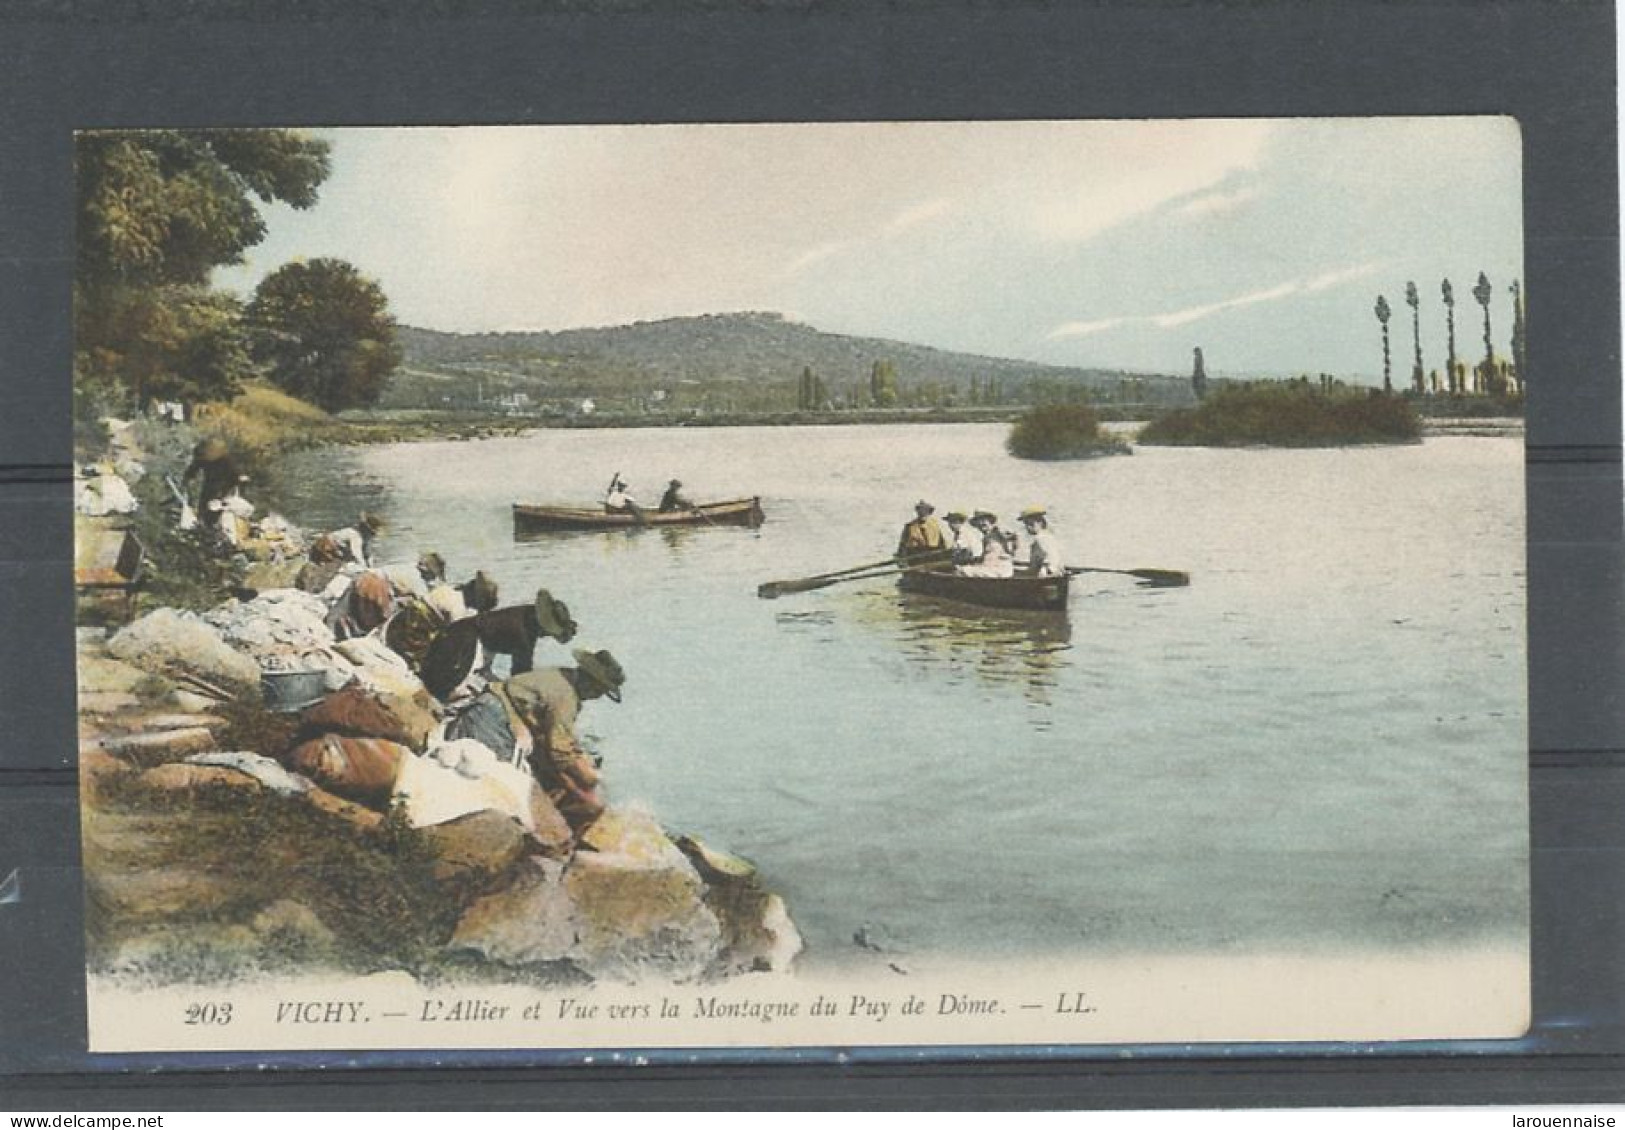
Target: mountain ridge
x,y
758,350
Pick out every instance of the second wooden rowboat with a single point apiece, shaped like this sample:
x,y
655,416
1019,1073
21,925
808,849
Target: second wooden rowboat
x,y
1035,594
736,512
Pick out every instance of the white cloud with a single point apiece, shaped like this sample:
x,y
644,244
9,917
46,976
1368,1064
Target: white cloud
x,y
917,214
1136,168
816,254
1215,203
1335,278
1172,319
1084,329
1196,313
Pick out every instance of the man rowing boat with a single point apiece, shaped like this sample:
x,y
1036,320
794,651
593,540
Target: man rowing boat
x,y
923,535
673,499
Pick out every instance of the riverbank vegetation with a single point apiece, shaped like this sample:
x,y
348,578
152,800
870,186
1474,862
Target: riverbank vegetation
x,y
1287,414
158,211
1062,431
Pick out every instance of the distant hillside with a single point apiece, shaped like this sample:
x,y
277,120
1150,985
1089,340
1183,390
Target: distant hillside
x,y
744,360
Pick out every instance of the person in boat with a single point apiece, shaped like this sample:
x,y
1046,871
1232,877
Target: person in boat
x,y
965,540
1043,549
673,499
997,558
531,718
922,536
619,500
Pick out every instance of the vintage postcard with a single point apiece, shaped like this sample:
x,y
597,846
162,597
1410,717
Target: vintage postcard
x,y
957,583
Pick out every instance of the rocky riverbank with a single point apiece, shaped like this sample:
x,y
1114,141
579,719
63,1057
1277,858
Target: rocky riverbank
x,y
228,835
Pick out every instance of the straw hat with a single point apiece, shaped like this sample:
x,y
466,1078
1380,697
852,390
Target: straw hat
x,y
926,506
601,667
1033,512
955,516
554,617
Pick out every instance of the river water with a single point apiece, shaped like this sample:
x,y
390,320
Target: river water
x,y
1317,746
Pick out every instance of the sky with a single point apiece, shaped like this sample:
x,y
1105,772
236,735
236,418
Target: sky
x,y
1119,244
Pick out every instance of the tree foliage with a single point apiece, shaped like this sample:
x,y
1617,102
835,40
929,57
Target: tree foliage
x,y
324,333
157,211
883,391
174,343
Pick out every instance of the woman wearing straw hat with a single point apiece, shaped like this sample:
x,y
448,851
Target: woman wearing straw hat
x,y
1044,552
997,559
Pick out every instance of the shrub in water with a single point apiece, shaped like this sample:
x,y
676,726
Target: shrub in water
x,y
1291,414
1061,431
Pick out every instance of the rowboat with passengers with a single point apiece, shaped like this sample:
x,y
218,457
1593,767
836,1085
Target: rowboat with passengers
x,y
735,512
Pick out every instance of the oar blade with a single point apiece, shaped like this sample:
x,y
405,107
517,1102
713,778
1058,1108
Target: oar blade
x,y
1161,578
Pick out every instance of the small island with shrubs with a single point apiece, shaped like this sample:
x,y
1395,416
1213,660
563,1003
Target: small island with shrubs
x,y
1062,431
1288,414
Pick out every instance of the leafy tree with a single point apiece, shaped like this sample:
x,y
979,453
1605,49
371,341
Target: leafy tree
x,y
157,210
1483,292
1383,313
1520,341
1450,321
324,333
1414,301
883,384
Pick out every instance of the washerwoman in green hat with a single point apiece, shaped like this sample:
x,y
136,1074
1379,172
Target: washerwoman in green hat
x,y
547,701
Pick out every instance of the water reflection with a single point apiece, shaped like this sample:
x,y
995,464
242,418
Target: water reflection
x,y
999,647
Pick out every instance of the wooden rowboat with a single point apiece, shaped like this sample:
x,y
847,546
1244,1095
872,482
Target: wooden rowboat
x,y
737,512
1035,594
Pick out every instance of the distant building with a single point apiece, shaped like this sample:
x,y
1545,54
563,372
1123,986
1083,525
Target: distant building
x,y
586,407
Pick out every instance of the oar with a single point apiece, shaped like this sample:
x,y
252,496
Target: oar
x,y
1159,578
773,589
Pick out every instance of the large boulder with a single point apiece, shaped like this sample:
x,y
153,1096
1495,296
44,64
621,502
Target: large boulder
x,y
183,646
531,921
758,935
640,903
474,853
